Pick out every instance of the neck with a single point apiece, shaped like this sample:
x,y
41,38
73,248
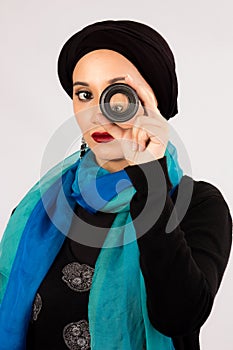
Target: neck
x,y
113,165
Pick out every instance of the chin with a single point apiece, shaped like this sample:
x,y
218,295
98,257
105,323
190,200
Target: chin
x,y
107,150
108,153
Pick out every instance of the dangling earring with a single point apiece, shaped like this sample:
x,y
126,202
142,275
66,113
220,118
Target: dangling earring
x,y
83,148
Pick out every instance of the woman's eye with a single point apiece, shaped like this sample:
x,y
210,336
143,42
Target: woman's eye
x,y
84,95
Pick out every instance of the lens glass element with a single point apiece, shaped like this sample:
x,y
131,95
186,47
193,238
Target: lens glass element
x,y
119,103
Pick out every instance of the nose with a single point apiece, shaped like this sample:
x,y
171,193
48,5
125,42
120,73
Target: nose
x,y
99,118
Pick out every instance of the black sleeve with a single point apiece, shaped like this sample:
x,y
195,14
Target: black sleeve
x,y
183,269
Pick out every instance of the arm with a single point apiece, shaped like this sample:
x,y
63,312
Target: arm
x,y
183,269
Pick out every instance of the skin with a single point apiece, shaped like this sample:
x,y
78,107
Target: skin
x,y
143,138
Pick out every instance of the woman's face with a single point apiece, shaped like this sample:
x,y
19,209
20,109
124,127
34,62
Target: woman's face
x,y
92,74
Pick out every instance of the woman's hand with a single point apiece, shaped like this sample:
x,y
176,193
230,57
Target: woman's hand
x,y
144,137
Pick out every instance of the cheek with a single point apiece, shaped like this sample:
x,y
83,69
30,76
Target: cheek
x,y
82,123
76,105
75,109
85,124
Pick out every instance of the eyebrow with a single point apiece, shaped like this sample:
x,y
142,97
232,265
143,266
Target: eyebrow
x,y
111,81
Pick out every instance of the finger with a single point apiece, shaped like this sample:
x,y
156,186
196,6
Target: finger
x,y
110,127
139,137
142,140
147,128
145,95
153,125
157,149
155,131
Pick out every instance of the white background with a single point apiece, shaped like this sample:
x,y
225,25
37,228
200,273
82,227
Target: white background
x,y
33,104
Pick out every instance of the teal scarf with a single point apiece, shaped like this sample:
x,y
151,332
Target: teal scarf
x,y
117,311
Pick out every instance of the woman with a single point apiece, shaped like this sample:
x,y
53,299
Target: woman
x,y
88,260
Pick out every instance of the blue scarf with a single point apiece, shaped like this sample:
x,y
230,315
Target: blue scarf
x,y
117,311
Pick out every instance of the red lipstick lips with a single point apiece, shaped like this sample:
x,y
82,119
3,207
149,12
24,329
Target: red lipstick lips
x,y
102,137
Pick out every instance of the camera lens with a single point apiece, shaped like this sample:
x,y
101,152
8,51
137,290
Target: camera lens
x,y
119,102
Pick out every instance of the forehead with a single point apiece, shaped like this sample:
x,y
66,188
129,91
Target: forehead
x,y
103,59
103,54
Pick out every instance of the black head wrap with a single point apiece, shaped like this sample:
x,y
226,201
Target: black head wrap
x,y
139,43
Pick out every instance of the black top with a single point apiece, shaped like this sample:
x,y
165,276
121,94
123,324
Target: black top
x,y
182,269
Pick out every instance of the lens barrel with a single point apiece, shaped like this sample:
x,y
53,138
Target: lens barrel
x,y
114,108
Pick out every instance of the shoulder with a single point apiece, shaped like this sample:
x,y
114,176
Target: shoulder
x,y
199,191
204,212
203,188
200,205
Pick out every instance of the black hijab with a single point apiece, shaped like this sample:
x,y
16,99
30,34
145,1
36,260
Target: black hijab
x,y
139,43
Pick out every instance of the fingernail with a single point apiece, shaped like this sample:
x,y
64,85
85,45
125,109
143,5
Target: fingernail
x,y
129,77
